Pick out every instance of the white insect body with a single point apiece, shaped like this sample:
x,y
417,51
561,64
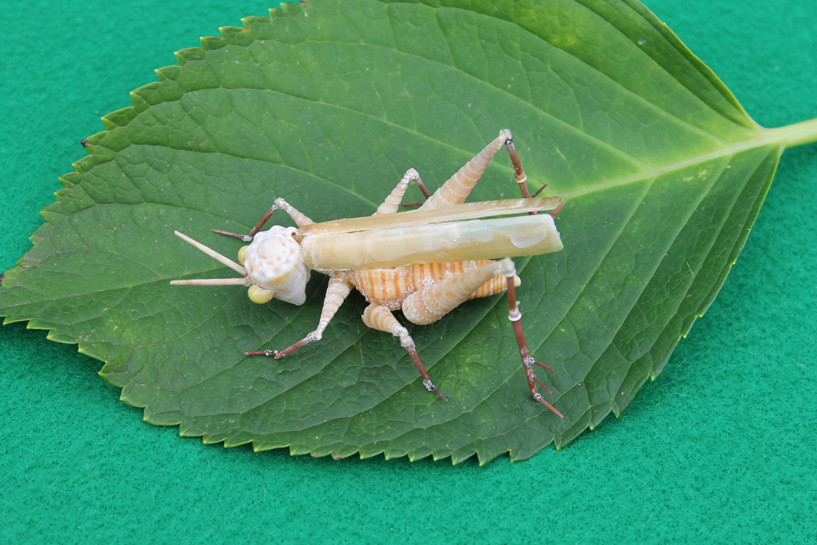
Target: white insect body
x,y
424,262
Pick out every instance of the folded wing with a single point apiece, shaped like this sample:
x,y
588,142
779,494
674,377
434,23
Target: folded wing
x,y
433,242
460,212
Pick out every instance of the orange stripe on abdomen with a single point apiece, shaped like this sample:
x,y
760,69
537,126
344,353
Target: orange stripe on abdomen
x,y
391,286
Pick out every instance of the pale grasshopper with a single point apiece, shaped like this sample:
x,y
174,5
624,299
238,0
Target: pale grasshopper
x,y
424,262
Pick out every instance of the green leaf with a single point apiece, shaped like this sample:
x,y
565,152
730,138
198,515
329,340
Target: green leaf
x,y
663,171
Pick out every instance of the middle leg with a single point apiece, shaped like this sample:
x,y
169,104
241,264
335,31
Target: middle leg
x,y
380,317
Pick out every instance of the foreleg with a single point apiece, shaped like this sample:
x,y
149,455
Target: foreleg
x,y
300,220
336,292
380,317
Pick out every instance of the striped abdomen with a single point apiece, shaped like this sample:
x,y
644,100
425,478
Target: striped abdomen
x,y
391,286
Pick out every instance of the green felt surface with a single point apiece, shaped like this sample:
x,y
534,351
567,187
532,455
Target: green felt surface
x,y
720,448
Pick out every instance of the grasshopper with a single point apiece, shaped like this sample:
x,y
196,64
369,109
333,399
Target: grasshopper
x,y
424,262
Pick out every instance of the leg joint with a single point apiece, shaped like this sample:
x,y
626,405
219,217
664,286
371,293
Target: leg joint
x,y
514,315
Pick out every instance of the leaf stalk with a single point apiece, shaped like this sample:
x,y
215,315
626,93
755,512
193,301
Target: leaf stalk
x,y
798,134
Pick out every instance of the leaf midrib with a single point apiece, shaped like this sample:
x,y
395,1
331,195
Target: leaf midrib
x,y
765,137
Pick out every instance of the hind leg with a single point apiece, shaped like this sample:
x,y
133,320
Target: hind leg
x,y
515,316
459,186
434,301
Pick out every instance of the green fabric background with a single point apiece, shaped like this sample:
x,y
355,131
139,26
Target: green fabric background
x,y
720,448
